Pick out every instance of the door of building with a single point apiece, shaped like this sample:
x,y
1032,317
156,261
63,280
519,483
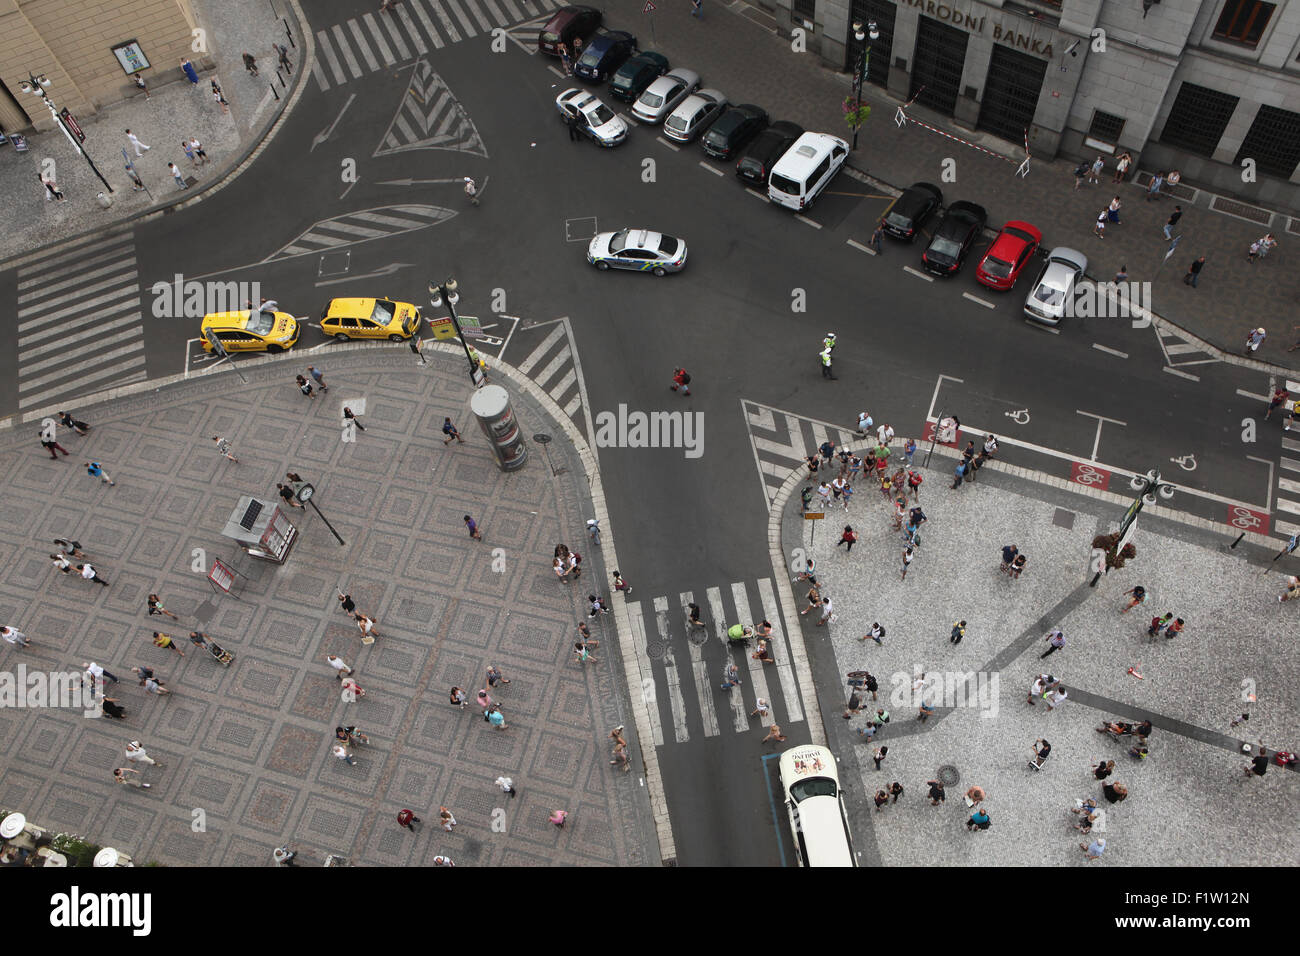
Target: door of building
x,y
1011,93
937,65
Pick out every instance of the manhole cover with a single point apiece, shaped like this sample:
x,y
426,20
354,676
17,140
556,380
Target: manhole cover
x,y
655,650
1063,519
948,775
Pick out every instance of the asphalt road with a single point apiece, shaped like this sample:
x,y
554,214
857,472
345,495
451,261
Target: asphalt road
x,y
683,523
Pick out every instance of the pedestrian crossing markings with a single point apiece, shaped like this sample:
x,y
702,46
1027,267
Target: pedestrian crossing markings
x,y
430,117
361,226
781,441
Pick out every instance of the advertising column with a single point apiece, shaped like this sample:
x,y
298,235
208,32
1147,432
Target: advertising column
x,y
491,406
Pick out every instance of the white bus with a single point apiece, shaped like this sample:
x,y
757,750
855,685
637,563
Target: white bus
x,y
810,787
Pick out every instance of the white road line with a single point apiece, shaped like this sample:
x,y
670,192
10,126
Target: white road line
x,y
446,20
121,299
1182,348
1292,386
360,37
346,50
63,341
391,25
1259,398
317,72
535,356
83,276
428,25
676,702
352,229
703,685
412,32
1290,444
499,18
1288,506
806,221
575,403
637,624
1286,484
757,678
756,194
552,367
113,372
1042,328
1290,464
710,168
513,13
1109,351
674,148
483,23
1285,528
384,50
978,301
1268,501
67,354
861,248
739,718
781,651
1181,374
104,250
919,275
718,613
91,319
561,388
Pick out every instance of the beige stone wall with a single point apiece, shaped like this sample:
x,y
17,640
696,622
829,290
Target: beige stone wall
x,y
71,41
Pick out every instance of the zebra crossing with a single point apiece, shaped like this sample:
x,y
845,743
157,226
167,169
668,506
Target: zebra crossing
x,y
430,117
781,441
79,322
553,365
1288,477
363,225
1179,351
687,665
375,41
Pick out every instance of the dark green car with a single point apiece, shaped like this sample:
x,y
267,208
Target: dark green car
x,y
636,74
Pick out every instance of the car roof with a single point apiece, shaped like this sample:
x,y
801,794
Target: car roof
x,y
698,99
603,41
680,73
1027,227
966,209
646,58
1074,256
918,188
351,306
788,127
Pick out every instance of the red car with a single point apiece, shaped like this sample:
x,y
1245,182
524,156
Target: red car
x,y
1011,250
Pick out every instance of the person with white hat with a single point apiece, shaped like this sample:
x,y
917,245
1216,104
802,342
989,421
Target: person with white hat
x,y
1254,338
471,190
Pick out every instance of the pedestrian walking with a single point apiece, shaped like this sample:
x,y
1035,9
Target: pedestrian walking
x,y
287,496
1153,189
140,84
558,817
828,612
1266,244
1137,595
877,240
451,431
881,798
472,526
697,9
96,674
340,666
67,421
1121,275
88,573
875,634
142,672
471,190
14,636
190,73
879,755
1009,552
223,448
155,606
1099,230
1094,850
761,709
1173,221
1254,339
682,380
909,449
458,698
178,176
979,820
619,583
1041,685
343,754
773,733
1253,252
366,625
152,685
959,474
1081,173
351,689
250,63
96,470
571,121
120,776
507,786
1158,623
1116,792
849,537
1055,697
1103,769
137,754
349,417
1112,211
70,547
51,444
318,377
219,97
61,563
407,820
598,606
564,59
1294,417
975,794
1055,639
304,386
1194,272
957,633
1280,395
494,676
445,819
1175,628
189,152
1122,163
885,435
140,148
914,480
1237,720
937,794
908,556
111,708
1094,172
496,718
282,52
164,641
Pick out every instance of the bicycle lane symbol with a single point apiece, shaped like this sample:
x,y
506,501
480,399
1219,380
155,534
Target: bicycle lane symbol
x,y
1088,474
1247,519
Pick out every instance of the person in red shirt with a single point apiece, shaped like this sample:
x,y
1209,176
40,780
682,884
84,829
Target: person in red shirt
x,y
848,537
681,379
1280,395
407,819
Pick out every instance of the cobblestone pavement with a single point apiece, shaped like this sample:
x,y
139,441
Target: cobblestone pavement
x,y
249,746
1189,803
751,64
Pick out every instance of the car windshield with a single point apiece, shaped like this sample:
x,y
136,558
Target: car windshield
x,y
599,115
1049,296
668,246
591,58
947,248
677,122
997,268
651,101
384,312
550,36
783,185
899,220
260,323
814,787
618,242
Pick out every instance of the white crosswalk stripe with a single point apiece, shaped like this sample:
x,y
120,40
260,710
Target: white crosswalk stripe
x,y
430,117
553,365
782,441
389,38
360,226
1288,488
687,673
79,323
1180,351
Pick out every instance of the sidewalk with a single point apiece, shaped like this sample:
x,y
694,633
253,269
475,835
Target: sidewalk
x,y
175,109
1189,802
752,65
250,745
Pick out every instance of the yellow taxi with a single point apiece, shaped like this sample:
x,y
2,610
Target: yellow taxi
x,y
249,331
370,319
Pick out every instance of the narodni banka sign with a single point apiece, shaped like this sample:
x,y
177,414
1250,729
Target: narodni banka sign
x,y
974,24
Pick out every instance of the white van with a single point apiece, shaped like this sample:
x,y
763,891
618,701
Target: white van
x,y
806,169
810,789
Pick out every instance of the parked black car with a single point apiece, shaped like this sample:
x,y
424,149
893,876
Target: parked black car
x,y
733,129
911,210
961,225
604,54
636,74
765,149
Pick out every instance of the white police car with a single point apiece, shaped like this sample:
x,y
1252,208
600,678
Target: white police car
x,y
594,118
638,249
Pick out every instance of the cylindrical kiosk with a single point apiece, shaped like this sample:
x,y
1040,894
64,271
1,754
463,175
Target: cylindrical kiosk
x,y
491,406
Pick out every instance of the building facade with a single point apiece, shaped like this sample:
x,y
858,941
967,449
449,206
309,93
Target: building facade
x,y
1208,87
89,50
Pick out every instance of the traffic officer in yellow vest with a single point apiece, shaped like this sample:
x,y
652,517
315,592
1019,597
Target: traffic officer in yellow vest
x,y
829,341
826,363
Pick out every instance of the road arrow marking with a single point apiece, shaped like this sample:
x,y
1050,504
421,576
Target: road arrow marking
x,y
325,134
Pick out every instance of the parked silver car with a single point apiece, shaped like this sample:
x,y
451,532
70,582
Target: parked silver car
x,y
1053,294
663,95
694,115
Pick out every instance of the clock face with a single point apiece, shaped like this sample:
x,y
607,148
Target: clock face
x,y
305,493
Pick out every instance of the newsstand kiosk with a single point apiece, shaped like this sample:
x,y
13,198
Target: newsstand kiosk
x,y
261,529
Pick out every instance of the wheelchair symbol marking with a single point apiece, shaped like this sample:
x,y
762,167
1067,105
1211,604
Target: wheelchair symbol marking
x,y
1244,518
1089,476
1020,417
1187,462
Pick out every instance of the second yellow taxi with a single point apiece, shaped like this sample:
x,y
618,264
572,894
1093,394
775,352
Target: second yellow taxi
x,y
249,331
370,319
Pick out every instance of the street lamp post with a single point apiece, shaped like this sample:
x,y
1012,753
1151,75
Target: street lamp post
x,y
446,292
304,493
860,73
36,86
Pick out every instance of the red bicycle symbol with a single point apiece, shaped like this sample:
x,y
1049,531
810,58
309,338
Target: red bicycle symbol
x,y
1245,519
1090,475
